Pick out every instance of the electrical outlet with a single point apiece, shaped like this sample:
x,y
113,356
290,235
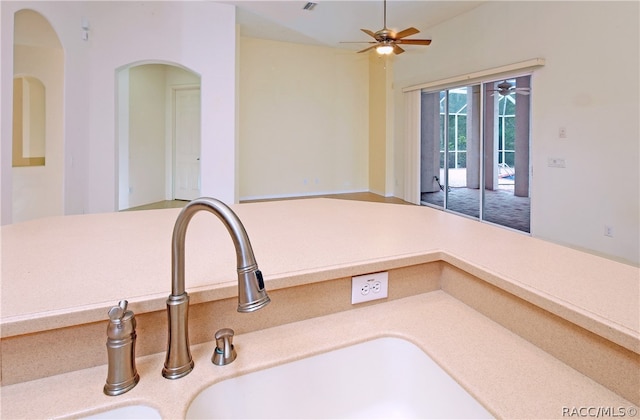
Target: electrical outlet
x,y
369,287
608,231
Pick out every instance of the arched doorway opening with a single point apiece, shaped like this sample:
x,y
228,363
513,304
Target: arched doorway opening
x,y
37,170
158,128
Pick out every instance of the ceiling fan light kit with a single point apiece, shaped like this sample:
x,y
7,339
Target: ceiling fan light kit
x,y
384,49
388,41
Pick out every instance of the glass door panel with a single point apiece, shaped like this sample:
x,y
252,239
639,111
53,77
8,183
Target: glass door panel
x,y
432,155
506,153
463,146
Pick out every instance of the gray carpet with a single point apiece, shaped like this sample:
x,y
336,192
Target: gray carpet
x,y
500,206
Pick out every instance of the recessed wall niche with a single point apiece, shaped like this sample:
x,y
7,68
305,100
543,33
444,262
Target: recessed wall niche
x,y
28,122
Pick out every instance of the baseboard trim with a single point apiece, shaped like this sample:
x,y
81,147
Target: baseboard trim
x,y
305,194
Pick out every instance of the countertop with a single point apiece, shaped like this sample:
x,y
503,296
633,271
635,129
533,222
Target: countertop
x,y
70,270
508,375
66,271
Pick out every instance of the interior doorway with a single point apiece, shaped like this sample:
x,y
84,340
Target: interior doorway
x,y
158,126
37,143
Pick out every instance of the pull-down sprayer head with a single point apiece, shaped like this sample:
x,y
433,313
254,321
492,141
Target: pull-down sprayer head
x,y
251,292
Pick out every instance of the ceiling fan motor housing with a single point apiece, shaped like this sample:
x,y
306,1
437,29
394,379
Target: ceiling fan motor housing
x,y
385,34
388,41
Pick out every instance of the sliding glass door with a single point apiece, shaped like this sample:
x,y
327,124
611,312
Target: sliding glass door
x,y
472,140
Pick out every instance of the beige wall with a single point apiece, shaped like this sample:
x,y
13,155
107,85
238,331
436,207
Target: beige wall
x,y
303,120
380,78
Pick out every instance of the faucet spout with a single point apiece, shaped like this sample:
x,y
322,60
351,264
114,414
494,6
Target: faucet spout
x,y
251,292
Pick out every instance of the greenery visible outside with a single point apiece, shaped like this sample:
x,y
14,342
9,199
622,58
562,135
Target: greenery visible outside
x,y
506,140
457,141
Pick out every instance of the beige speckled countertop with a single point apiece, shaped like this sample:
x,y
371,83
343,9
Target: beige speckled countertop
x,y
79,266
510,376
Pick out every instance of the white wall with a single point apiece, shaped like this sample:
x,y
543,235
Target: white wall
x,y
147,134
589,85
122,33
303,120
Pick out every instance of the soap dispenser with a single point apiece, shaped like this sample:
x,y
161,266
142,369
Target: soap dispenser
x,y
121,350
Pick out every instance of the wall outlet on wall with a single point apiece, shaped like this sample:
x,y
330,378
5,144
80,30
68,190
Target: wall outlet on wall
x,y
562,132
369,287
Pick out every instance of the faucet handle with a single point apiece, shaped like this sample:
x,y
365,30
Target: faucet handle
x,y
117,312
224,353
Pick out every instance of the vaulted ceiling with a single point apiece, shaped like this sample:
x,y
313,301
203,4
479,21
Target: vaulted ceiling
x,y
327,24
333,21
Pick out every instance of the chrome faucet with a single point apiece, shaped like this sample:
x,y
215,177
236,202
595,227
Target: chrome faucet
x,y
251,292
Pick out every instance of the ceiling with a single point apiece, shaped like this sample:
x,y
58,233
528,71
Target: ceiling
x,y
329,23
332,21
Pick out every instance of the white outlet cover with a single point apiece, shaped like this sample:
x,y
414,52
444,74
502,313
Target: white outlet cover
x,y
369,287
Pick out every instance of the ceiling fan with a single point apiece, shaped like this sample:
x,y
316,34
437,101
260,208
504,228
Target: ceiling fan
x,y
388,41
505,88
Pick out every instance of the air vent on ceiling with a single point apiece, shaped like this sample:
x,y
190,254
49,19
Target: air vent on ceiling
x,y
309,6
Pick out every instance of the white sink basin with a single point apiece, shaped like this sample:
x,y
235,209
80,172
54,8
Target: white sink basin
x,y
382,378
128,412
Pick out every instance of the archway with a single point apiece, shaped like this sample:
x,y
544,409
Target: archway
x,y
38,149
158,126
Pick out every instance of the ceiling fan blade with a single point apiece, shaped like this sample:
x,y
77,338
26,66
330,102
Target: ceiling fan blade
x,y
397,50
370,33
368,48
407,32
414,41
358,42
522,92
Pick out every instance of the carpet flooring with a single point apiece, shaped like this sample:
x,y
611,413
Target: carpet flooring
x,y
501,206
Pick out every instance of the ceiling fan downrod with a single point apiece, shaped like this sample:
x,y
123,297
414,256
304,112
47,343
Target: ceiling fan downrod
x,y
384,19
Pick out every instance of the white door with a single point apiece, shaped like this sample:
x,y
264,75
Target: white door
x,y
186,143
